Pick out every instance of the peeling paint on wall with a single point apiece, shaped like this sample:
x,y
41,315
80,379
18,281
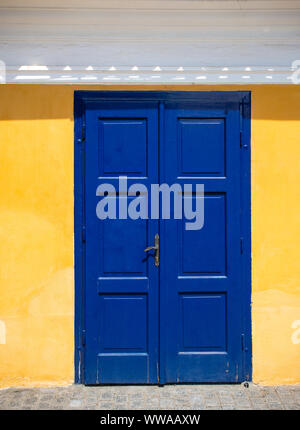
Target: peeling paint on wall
x,y
296,333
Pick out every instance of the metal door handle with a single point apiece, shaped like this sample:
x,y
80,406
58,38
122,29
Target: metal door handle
x,y
149,248
156,249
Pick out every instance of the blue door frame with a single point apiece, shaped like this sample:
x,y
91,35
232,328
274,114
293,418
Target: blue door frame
x,y
213,98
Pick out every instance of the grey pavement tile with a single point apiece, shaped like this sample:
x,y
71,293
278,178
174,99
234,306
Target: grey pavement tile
x,y
228,407
292,406
135,404
121,406
274,406
106,395
120,399
106,405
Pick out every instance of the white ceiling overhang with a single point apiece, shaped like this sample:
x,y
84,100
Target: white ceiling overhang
x,y
149,41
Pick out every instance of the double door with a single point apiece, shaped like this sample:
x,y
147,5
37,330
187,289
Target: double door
x,y
172,313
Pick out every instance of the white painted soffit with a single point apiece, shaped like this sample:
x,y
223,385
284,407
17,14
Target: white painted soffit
x,y
154,75
149,41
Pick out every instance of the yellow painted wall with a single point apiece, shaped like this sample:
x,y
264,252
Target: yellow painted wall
x,y
36,232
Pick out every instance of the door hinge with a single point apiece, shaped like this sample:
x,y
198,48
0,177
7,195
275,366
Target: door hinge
x,y
242,145
83,128
83,131
241,125
83,338
83,234
82,138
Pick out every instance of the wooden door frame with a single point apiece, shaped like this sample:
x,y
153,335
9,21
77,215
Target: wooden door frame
x,y
81,99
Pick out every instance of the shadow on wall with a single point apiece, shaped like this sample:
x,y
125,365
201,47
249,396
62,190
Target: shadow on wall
x,y
274,102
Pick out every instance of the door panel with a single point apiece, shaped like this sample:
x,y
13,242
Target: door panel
x,y
202,322
200,268
212,237
122,283
201,144
123,146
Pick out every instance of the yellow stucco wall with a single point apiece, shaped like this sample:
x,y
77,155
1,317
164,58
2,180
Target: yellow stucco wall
x,y
36,232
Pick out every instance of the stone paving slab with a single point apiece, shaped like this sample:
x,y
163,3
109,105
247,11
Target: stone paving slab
x,y
189,397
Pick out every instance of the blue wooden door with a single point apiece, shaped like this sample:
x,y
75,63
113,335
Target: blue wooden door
x,y
185,320
121,280
201,324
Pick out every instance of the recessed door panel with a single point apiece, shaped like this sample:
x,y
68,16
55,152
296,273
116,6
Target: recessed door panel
x,y
211,237
201,143
123,323
210,332
123,146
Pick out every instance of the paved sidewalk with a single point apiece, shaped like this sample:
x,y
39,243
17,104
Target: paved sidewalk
x,y
152,397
